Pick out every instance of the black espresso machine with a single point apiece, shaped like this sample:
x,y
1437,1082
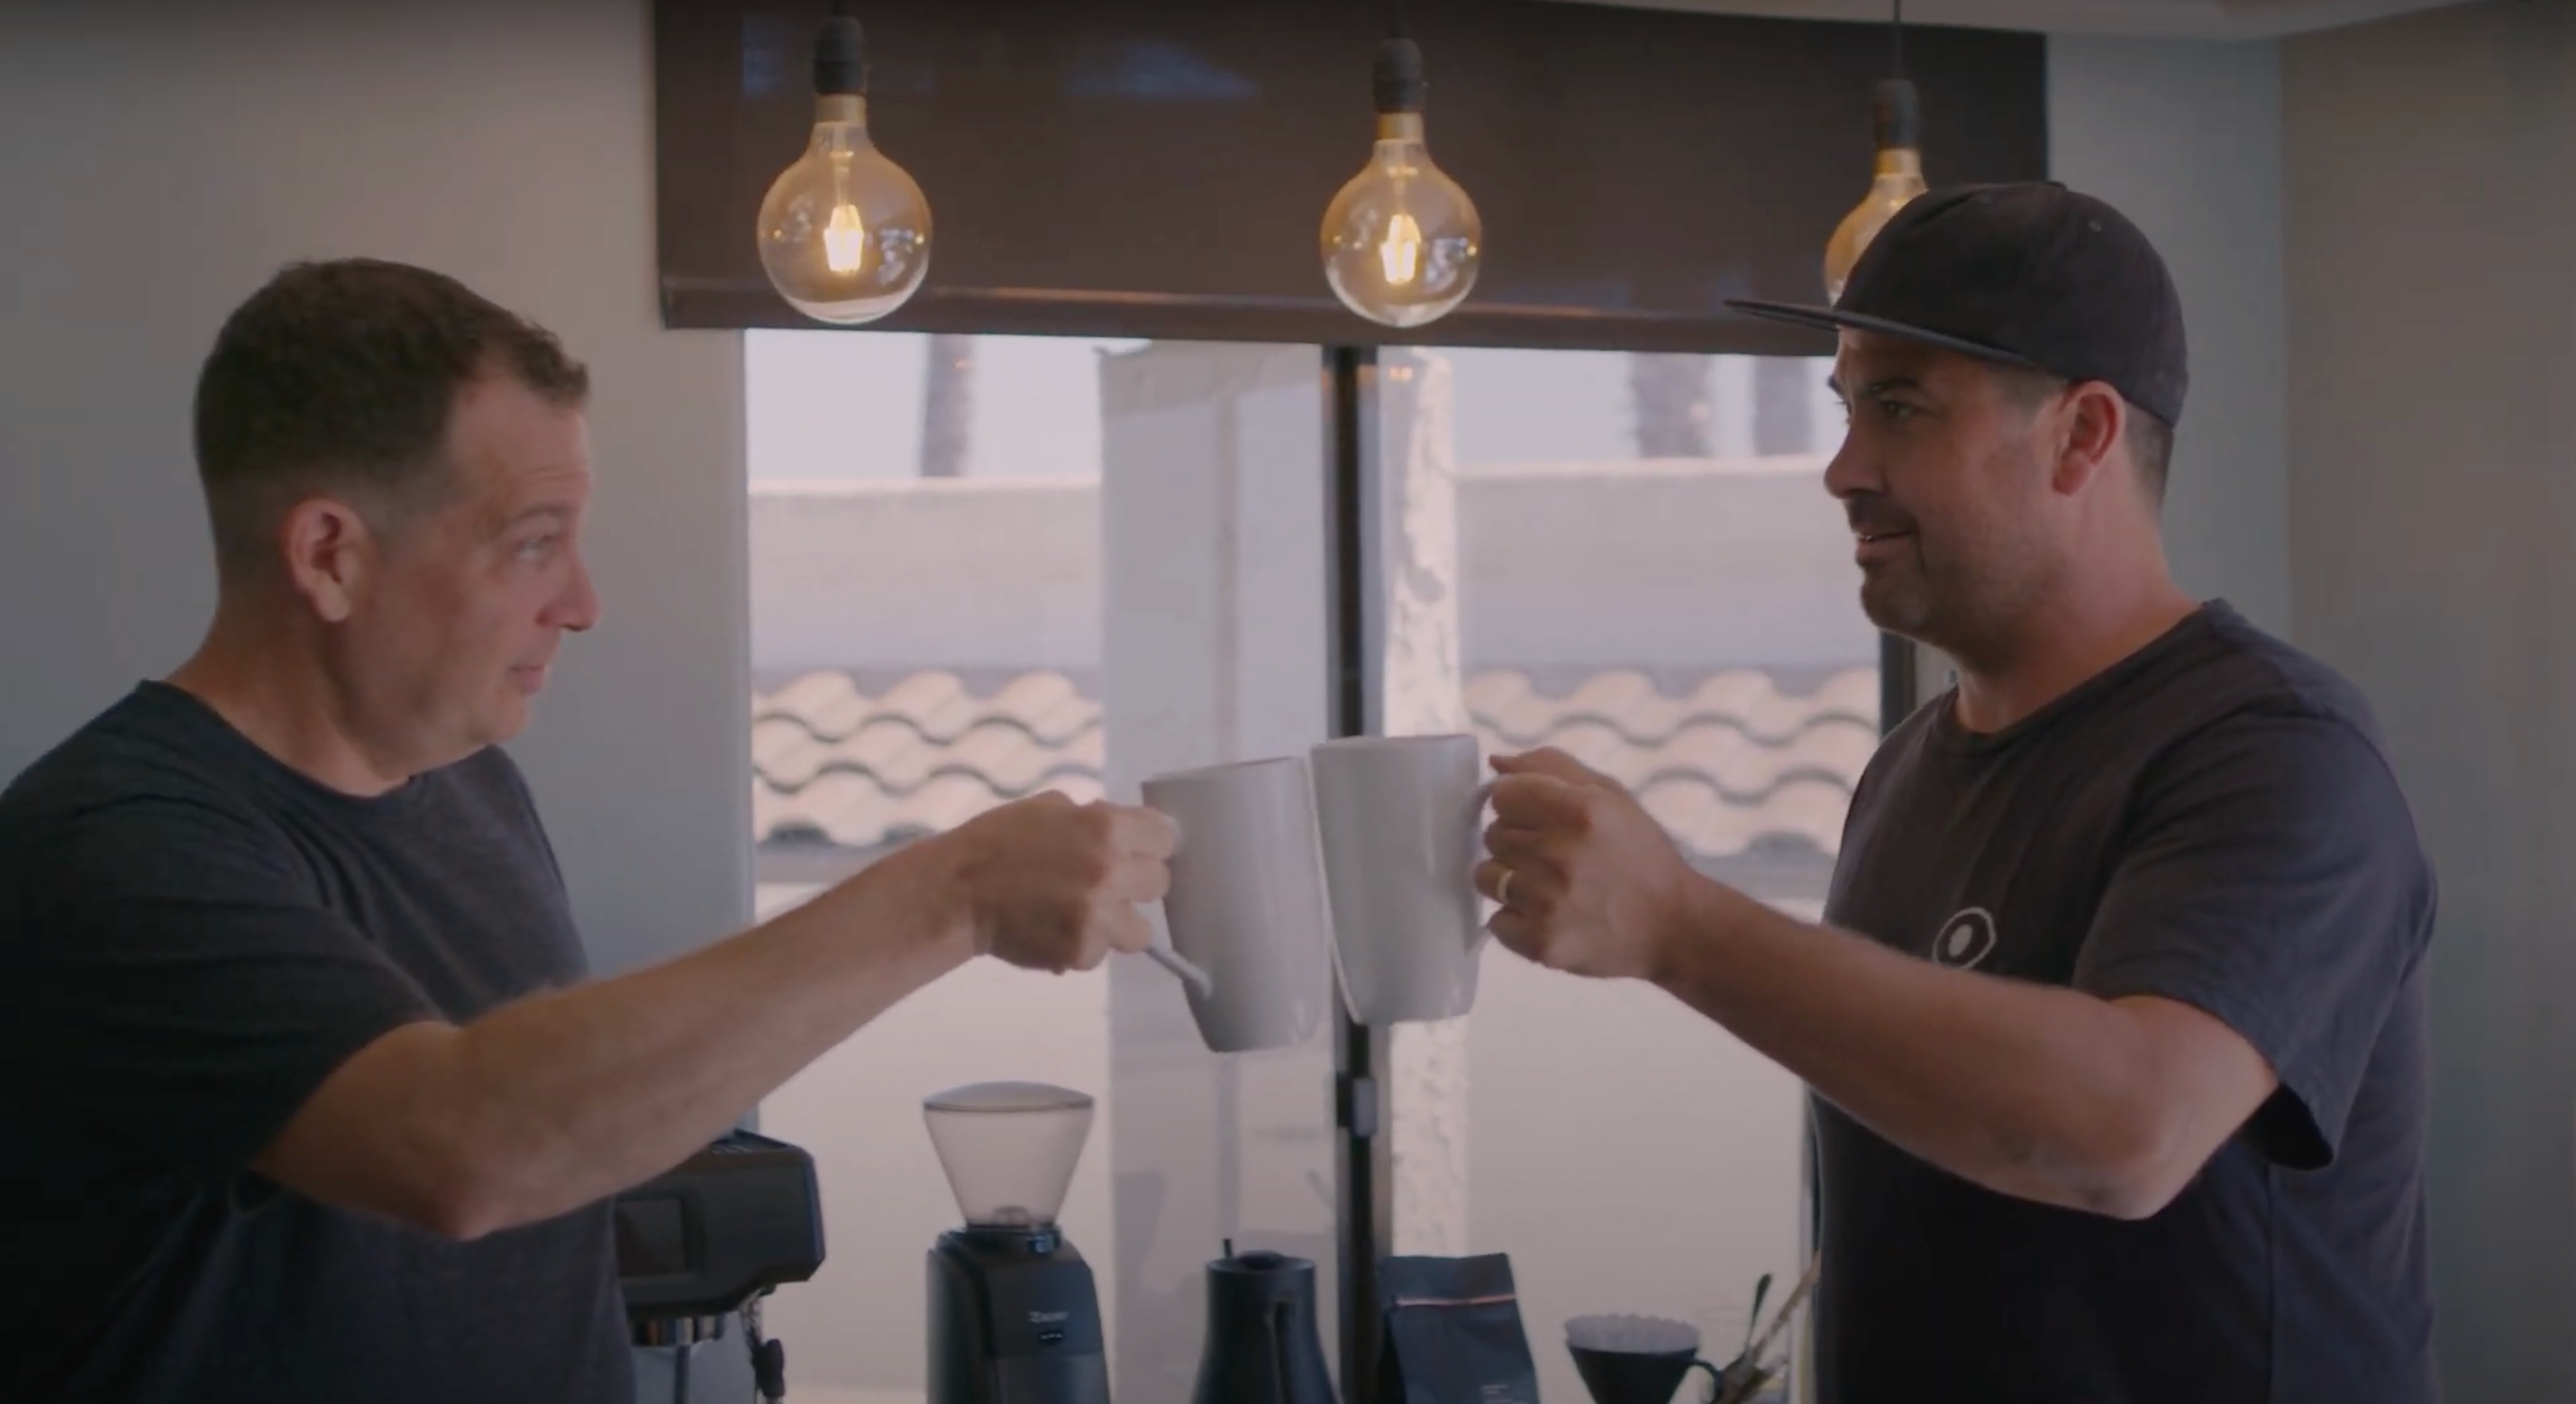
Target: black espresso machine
x,y
697,1247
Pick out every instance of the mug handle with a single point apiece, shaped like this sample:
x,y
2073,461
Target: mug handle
x,y
1323,874
1476,855
1484,801
1716,1381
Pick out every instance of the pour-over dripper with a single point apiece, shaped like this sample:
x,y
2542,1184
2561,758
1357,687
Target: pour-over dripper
x,y
1008,1148
1636,1359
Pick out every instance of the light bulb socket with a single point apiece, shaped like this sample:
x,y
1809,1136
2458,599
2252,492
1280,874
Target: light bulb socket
x,y
1896,112
840,57
1399,81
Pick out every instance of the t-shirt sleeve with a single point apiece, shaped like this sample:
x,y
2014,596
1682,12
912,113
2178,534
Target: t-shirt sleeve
x,y
184,985
2275,881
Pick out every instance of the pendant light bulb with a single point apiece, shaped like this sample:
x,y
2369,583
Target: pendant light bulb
x,y
1401,241
844,232
1899,178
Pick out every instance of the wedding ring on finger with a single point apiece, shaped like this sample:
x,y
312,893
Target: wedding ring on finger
x,y
1503,889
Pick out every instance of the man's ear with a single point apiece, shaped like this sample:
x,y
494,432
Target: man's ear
x,y
329,552
2090,421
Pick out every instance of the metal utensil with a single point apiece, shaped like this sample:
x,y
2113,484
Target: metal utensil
x,y
1183,967
1752,1369
1753,1318
1788,1308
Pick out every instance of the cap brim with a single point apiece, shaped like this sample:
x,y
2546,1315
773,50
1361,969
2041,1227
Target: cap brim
x,y
1835,319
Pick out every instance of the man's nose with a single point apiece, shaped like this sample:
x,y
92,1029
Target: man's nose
x,y
1845,473
579,608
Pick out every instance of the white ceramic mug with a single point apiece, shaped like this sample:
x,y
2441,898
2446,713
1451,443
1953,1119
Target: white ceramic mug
x,y
1403,827
1246,903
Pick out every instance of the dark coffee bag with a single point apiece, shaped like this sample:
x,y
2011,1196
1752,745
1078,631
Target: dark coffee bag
x,y
1453,1333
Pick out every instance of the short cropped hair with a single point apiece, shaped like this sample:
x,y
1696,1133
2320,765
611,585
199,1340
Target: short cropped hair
x,y
2150,439
339,377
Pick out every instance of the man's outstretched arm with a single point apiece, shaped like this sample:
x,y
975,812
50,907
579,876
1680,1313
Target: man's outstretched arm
x,y
563,1099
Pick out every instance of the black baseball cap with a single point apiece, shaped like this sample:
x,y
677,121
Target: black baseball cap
x,y
2031,275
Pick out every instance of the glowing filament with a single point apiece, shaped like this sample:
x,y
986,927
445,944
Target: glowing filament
x,y
845,240
1400,252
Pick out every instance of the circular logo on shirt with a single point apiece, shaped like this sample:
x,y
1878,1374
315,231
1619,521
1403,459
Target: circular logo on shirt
x,y
1965,940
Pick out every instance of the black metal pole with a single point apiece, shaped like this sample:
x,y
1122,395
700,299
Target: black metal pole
x,y
1900,690
1365,1190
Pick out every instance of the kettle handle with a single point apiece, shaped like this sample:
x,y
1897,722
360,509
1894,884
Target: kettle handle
x,y
1275,1319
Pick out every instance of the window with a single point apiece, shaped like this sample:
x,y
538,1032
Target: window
x,y
984,566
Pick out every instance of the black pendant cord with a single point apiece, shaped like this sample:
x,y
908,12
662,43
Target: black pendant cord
x,y
1897,34
840,54
1399,20
1900,683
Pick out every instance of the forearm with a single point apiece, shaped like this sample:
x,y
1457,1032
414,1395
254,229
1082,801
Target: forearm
x,y
2042,1093
564,1099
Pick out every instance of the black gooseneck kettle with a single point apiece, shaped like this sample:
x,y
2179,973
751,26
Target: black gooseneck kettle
x,y
1262,1346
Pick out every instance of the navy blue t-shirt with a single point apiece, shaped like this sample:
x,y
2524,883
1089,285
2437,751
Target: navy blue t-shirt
x,y
196,935
2214,820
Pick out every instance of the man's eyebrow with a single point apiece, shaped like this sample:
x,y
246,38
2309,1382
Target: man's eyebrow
x,y
556,512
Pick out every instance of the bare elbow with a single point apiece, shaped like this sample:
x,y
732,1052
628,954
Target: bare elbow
x,y
2113,1186
425,1185
473,1185
2188,1082
2131,1197
461,1210
2137,1171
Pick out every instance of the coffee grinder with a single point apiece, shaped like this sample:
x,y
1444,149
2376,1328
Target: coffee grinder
x,y
1014,1317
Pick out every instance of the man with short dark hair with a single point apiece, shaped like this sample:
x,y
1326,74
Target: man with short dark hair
x,y
317,1101
2115,1022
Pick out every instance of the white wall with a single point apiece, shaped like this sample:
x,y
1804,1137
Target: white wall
x,y
2433,477
2184,137
925,573
1670,562
1578,565
161,160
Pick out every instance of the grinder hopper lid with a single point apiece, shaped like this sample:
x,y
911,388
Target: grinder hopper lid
x,y
1009,1148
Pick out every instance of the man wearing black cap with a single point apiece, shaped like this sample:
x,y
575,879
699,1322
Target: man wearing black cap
x,y
2116,1019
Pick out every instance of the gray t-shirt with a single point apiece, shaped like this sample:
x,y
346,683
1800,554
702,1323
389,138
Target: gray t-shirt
x,y
196,936
2213,820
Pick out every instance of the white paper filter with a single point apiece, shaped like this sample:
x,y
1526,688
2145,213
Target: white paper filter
x,y
1632,1335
